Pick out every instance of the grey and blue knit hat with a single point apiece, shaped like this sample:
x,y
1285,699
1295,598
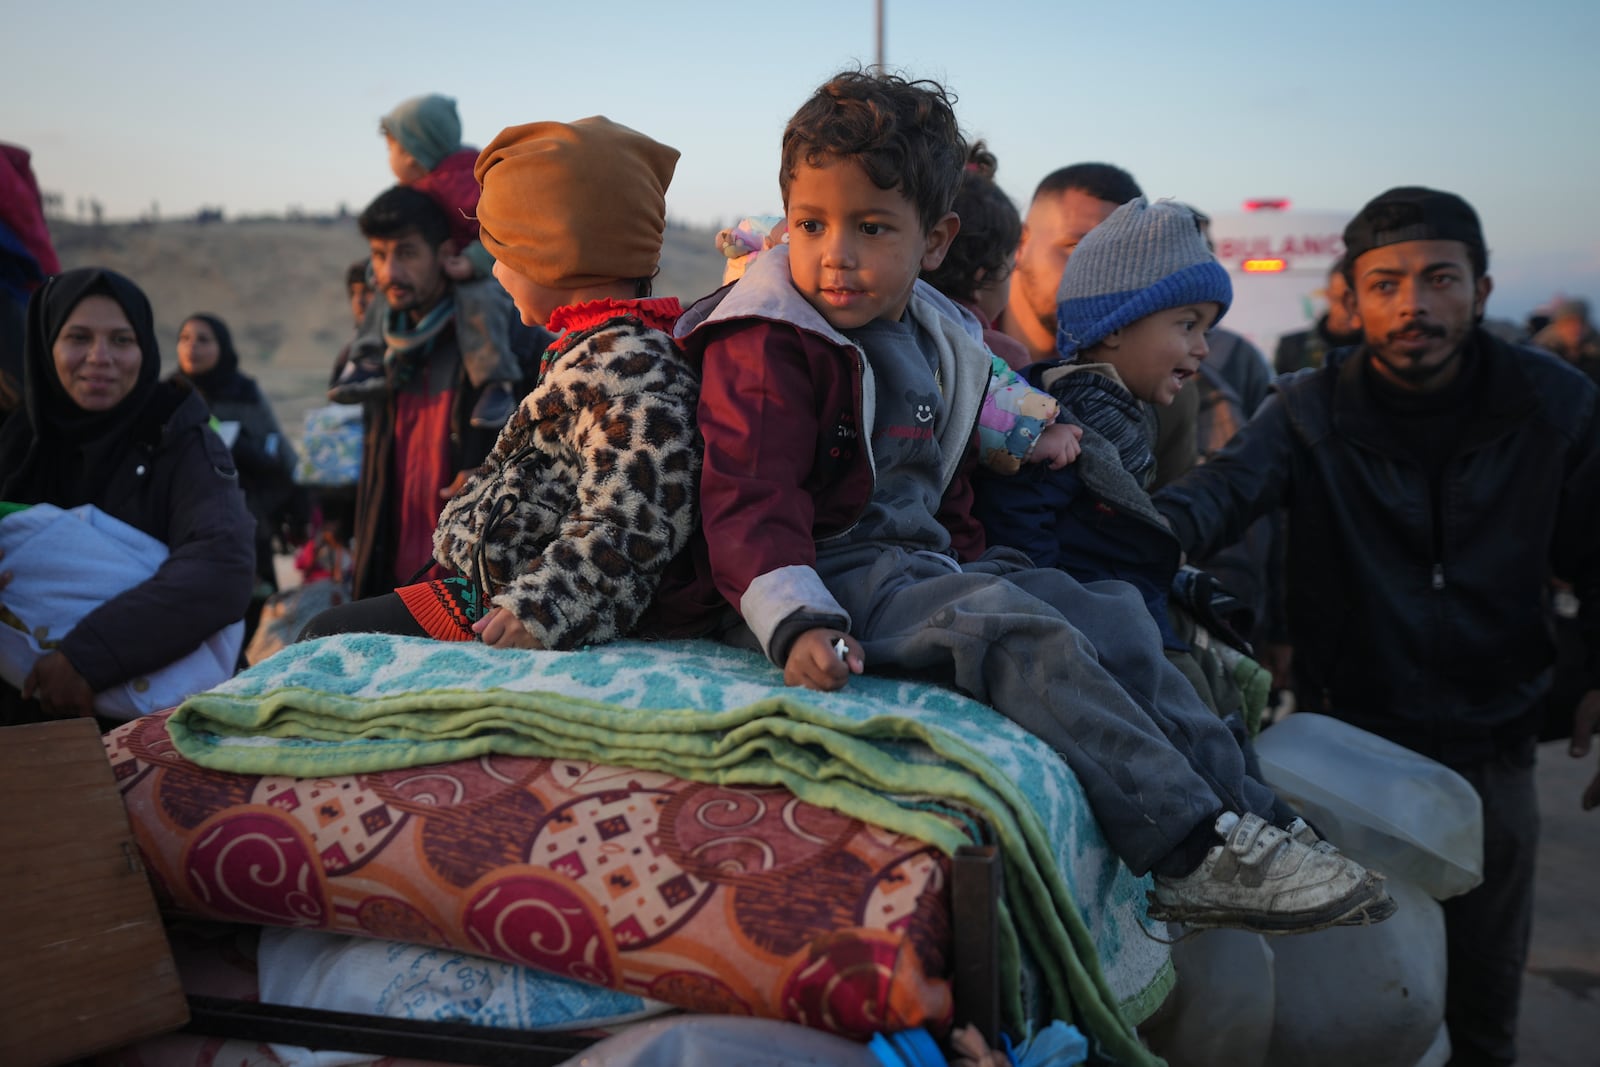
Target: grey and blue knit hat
x,y
1142,259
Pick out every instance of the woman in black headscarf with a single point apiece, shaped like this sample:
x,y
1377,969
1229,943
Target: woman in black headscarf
x,y
208,361
98,426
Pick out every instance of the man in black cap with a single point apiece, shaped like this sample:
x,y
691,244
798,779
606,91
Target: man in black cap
x,y
1434,477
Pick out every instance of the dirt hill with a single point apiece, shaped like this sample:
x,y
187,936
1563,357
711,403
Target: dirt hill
x,y
279,285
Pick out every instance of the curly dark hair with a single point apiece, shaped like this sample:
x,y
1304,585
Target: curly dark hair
x,y
990,230
903,133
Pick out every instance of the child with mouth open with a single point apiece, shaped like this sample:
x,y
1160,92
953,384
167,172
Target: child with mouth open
x,y
1135,302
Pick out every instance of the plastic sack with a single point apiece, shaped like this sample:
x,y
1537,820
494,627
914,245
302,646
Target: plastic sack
x,y
426,983
286,613
65,565
330,449
1400,813
1222,1010
1368,995
722,1039
1057,1045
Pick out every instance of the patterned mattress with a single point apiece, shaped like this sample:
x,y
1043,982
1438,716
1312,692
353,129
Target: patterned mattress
x,y
729,900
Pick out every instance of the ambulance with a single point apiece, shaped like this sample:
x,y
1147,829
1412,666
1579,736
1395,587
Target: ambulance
x,y
1278,259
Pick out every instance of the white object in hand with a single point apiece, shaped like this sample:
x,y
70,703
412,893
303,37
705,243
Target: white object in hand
x,y
841,648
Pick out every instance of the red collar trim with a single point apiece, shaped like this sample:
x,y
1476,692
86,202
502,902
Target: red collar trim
x,y
658,313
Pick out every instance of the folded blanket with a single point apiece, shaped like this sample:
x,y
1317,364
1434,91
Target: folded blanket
x,y
885,750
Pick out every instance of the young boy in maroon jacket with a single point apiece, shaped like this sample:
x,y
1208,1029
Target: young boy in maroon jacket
x,y
840,398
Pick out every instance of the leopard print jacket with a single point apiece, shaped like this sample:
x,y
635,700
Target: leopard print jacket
x,y
590,490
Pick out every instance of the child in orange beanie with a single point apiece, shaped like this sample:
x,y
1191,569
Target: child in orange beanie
x,y
560,539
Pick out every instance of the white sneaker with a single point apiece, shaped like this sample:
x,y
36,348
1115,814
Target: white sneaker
x,y
1262,879
1302,832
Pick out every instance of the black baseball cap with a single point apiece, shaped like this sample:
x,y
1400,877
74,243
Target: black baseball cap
x,y
1413,213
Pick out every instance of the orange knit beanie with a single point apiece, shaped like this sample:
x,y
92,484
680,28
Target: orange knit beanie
x,y
572,205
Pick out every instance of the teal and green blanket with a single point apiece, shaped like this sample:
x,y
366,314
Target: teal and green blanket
x,y
898,753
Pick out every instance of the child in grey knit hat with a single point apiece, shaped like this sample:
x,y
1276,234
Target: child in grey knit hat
x,y
1134,305
1138,295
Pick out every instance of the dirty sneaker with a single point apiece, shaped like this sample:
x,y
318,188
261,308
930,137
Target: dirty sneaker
x,y
1301,831
359,381
495,405
1262,879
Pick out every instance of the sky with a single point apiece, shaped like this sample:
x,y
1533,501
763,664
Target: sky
x,y
264,108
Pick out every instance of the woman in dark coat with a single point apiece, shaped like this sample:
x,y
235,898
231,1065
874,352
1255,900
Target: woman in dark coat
x,y
208,362
98,426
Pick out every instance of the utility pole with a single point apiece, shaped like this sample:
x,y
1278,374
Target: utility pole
x,y
878,5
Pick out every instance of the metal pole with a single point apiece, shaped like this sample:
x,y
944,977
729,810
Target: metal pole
x,y
878,4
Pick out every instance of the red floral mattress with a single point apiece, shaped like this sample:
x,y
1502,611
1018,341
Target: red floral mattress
x,y
741,901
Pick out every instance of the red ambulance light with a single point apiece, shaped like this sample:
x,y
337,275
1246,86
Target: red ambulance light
x,y
1265,204
1264,266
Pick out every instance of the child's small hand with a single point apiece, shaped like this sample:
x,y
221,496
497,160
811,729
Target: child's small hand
x,y
1058,445
501,629
971,1050
455,485
459,268
815,663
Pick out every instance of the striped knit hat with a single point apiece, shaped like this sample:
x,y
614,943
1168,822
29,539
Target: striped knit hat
x,y
1142,259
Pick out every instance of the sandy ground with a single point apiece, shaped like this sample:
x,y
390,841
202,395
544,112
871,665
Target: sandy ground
x,y
279,285
1561,994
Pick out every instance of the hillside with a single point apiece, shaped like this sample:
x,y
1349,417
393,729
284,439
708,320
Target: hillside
x,y
279,285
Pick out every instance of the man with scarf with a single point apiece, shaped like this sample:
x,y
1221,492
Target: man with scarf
x,y
420,443
1434,477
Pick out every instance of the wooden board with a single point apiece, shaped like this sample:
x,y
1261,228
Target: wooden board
x,y
84,962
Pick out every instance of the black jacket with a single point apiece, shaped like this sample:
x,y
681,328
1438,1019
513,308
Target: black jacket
x,y
263,455
1423,622
178,484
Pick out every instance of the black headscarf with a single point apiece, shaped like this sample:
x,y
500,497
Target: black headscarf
x,y
215,382
53,451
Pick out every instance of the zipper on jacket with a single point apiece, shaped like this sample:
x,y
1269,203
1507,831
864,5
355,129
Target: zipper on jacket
x,y
861,433
872,462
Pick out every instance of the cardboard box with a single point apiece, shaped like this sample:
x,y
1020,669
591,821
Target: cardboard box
x,y
84,961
